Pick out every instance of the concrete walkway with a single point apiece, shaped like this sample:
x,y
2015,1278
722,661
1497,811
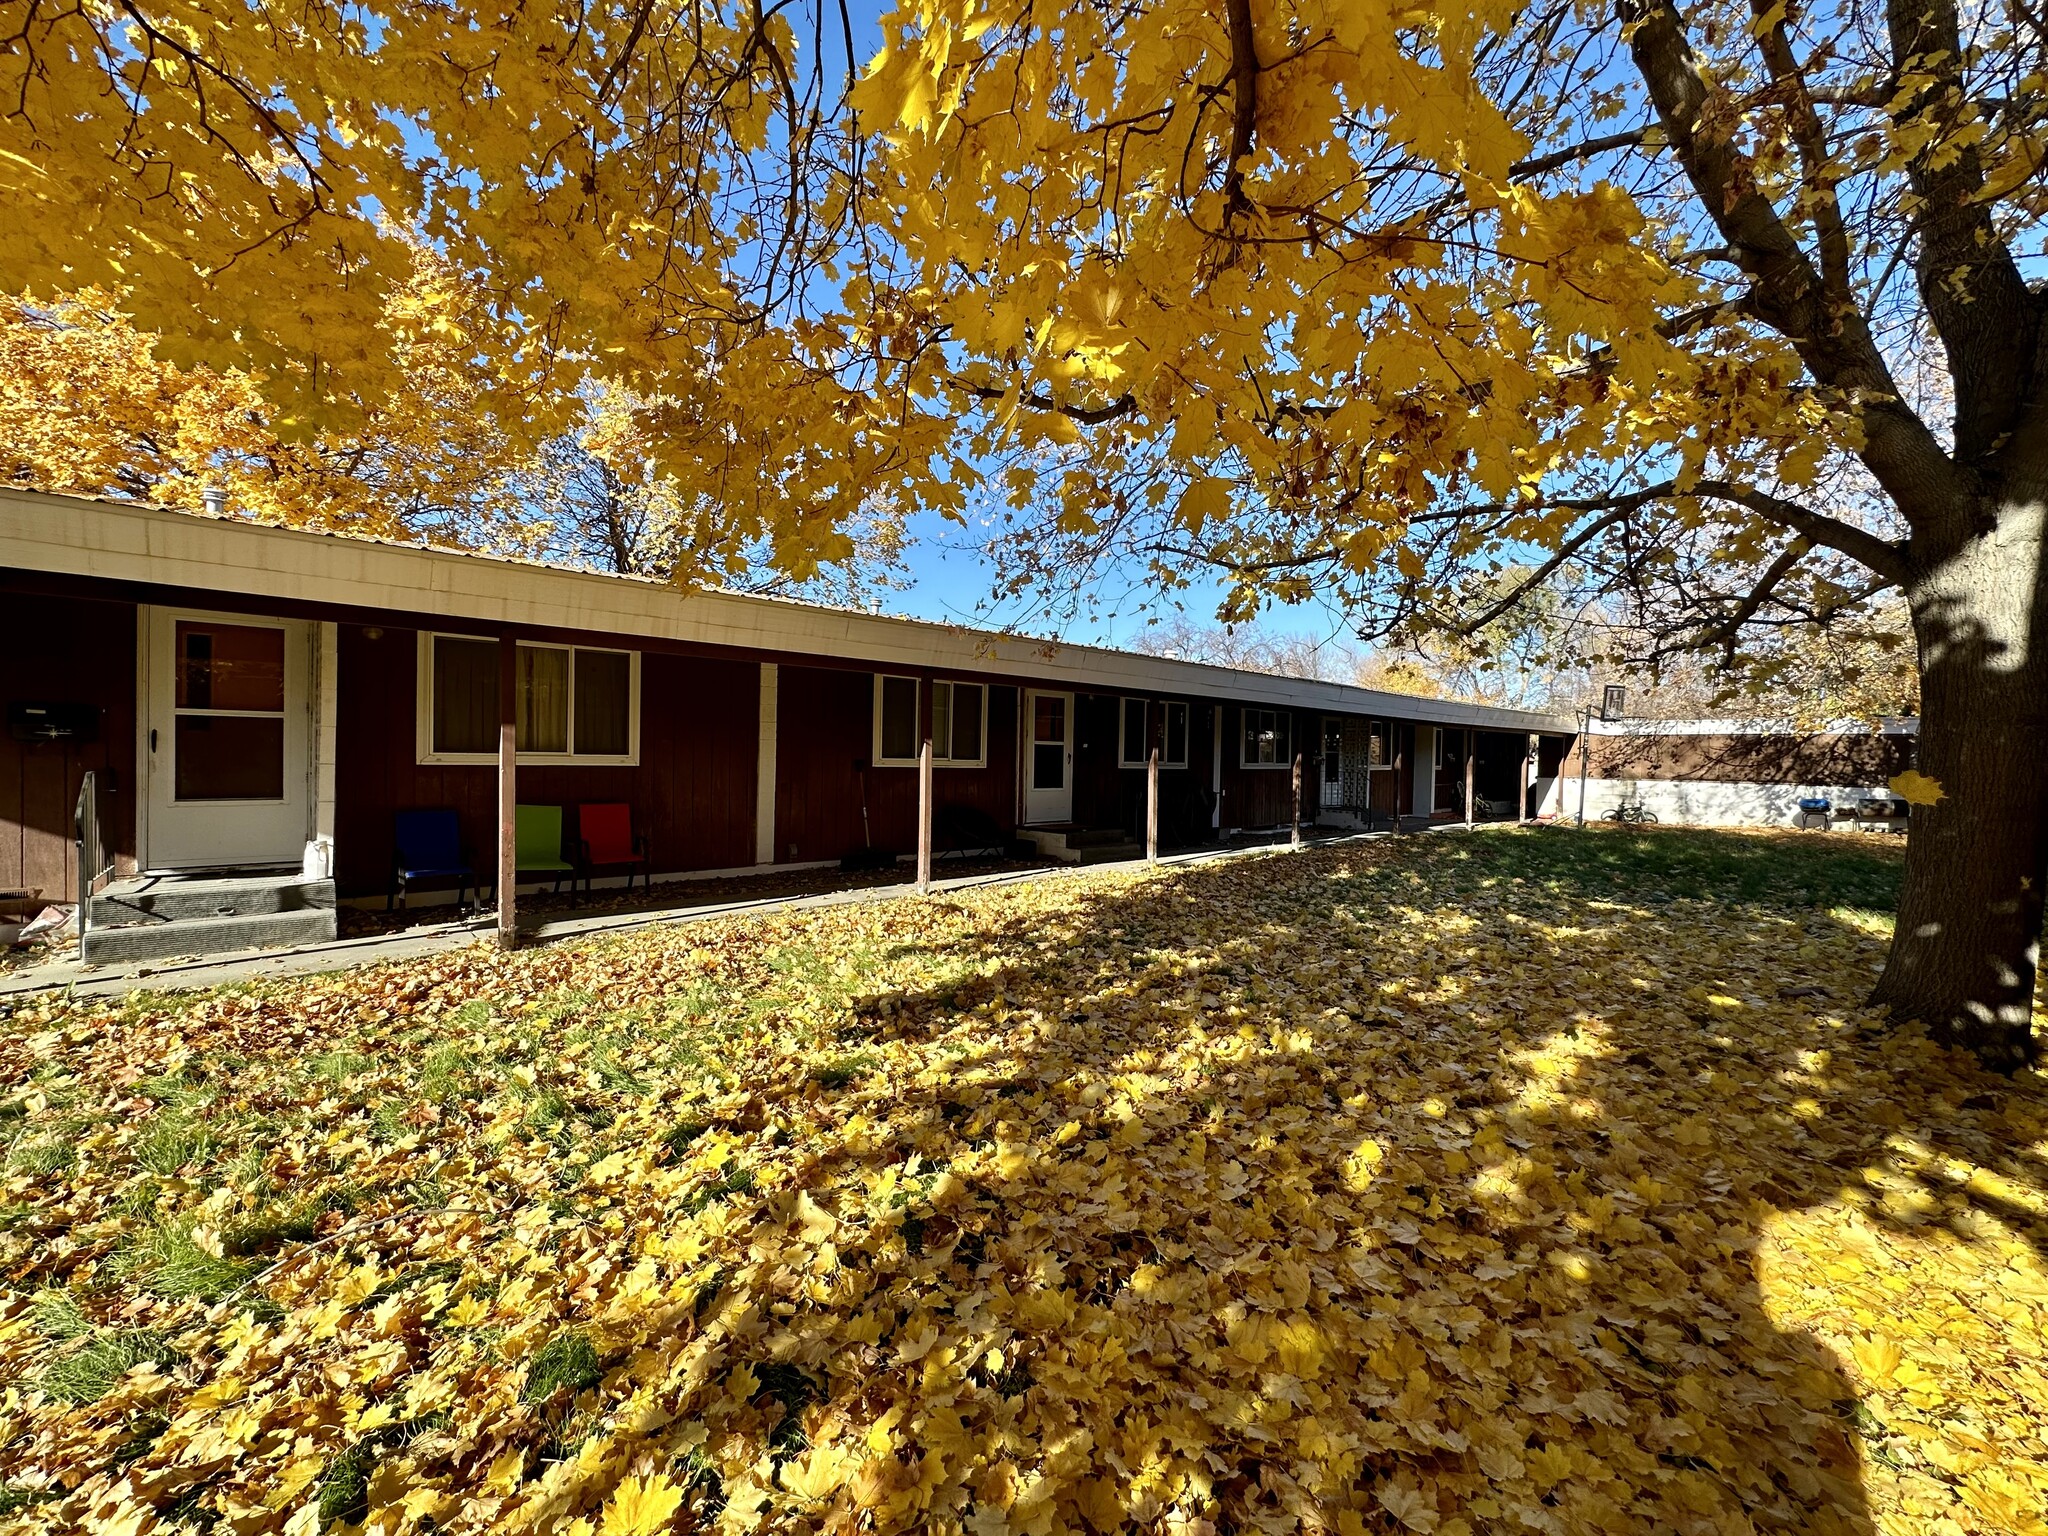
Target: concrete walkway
x,y
439,938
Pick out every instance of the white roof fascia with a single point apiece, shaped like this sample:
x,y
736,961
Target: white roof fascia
x,y
121,541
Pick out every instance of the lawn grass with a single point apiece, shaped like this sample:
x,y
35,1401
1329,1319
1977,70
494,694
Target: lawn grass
x,y
1776,871
1527,1180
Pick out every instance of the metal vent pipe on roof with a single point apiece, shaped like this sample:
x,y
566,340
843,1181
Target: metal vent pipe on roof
x,y
216,499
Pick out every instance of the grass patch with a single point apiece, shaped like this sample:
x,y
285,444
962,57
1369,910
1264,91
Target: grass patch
x,y
19,1496
42,1157
56,1314
169,1262
345,1486
172,1141
847,1069
731,1181
1656,864
568,1360
279,1223
340,1066
89,1373
682,1134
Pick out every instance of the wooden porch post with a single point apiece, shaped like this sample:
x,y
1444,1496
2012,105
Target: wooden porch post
x,y
1152,808
1471,750
1294,836
924,817
1522,795
508,792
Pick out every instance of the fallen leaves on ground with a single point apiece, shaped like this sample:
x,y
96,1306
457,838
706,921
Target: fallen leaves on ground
x,y
1413,1187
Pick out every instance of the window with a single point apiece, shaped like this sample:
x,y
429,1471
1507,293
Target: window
x,y
896,720
1376,744
229,712
574,703
959,723
1268,738
1176,753
1137,740
1135,750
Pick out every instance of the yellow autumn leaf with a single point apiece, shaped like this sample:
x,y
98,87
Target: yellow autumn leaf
x,y
1877,1356
1206,498
1407,1504
822,1472
816,1223
1916,788
641,1506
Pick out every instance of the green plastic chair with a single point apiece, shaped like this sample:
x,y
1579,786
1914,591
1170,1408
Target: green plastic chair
x,y
537,842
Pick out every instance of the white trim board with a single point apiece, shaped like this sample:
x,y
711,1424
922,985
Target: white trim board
x,y
129,542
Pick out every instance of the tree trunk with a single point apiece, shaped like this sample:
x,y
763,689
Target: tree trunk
x,y
1965,954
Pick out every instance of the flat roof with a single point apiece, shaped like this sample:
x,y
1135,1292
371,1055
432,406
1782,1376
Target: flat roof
x,y
100,538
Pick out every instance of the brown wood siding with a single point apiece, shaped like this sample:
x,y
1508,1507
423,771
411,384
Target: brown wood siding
x,y
1262,797
692,793
1825,758
1107,794
825,727
76,651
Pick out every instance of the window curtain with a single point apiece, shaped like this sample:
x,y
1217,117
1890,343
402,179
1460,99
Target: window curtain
x,y
543,699
899,718
465,695
966,722
604,703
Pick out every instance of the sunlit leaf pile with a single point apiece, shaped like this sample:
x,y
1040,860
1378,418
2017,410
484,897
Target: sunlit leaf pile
x,y
1451,1184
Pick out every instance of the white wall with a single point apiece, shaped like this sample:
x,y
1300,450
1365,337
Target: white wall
x,y
1425,769
1707,804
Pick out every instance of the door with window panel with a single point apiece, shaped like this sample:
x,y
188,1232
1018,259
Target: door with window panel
x,y
225,751
1048,757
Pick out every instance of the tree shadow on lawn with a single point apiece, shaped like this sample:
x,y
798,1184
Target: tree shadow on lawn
x,y
1296,1191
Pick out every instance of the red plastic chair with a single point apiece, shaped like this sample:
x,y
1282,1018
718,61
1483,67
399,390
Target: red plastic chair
x,y
605,839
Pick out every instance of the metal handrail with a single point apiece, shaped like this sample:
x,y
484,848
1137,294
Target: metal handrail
x,y
86,823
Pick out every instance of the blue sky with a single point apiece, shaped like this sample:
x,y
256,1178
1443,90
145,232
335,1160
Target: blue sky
x,y
950,581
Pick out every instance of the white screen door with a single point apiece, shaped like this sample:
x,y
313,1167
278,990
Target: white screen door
x,y
1049,757
226,740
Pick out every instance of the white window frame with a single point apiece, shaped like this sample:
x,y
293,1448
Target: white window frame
x,y
1166,734
1243,730
423,696
939,759
1124,759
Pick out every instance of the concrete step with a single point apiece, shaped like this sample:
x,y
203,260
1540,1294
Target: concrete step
x,y
130,943
157,899
1107,853
1097,837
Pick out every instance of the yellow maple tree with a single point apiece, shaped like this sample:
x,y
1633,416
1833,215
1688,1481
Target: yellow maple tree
x,y
1726,308
88,405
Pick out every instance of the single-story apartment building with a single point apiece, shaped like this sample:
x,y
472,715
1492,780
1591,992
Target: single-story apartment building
x,y
249,698
1740,772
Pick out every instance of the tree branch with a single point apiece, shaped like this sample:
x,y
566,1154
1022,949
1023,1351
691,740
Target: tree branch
x,y
1537,165
1787,294
1883,557
1724,633
1087,415
1244,111
1987,320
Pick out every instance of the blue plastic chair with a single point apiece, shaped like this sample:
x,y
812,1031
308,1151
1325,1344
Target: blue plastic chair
x,y
428,847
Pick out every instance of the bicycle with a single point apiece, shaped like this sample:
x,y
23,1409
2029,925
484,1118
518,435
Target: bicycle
x,y
1631,816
